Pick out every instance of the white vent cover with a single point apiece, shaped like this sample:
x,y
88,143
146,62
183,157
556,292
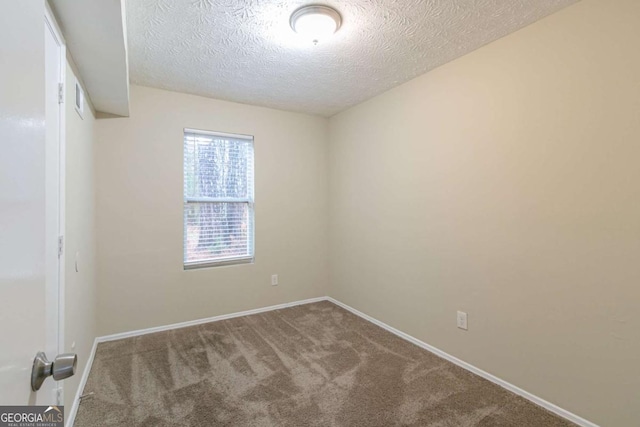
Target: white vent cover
x,y
79,100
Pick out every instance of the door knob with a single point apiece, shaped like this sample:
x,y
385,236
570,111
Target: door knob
x,y
63,366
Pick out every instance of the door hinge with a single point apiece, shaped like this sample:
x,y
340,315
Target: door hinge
x,y
60,245
60,93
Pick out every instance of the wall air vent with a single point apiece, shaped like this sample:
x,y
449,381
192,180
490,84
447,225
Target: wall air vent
x,y
79,100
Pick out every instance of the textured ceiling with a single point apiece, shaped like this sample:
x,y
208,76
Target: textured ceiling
x,y
245,51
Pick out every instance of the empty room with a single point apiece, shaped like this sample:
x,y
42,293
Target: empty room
x,y
341,213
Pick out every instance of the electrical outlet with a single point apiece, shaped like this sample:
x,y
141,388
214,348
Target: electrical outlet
x,y
274,280
462,320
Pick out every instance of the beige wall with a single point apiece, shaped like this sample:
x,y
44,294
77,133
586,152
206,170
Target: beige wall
x,y
140,202
80,239
506,184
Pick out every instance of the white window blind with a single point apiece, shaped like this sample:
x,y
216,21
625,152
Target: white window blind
x,y
218,199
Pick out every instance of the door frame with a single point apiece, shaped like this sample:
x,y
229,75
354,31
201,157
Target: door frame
x,y
56,316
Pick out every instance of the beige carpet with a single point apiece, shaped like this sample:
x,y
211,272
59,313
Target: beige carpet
x,y
310,365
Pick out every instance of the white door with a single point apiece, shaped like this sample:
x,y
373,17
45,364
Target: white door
x,y
54,73
29,194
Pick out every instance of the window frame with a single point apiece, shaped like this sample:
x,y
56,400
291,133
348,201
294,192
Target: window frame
x,y
249,201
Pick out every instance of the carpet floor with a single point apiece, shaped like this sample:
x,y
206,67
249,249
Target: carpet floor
x,y
310,365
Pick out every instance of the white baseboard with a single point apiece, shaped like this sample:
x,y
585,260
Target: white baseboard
x,y
71,416
207,320
504,384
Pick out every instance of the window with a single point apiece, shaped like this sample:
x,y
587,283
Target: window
x,y
218,199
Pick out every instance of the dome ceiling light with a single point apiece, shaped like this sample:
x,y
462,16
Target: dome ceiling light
x,y
315,22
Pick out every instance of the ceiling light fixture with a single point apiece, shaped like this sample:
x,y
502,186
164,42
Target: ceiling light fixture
x,y
315,22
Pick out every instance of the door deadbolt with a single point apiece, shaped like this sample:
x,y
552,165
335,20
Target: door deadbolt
x,y
63,366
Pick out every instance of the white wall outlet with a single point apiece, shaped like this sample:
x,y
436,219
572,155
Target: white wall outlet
x,y
274,280
462,320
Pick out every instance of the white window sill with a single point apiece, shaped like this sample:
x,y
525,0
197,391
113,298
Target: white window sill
x,y
219,263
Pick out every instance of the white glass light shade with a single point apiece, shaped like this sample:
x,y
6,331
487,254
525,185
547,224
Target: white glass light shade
x,y
315,22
